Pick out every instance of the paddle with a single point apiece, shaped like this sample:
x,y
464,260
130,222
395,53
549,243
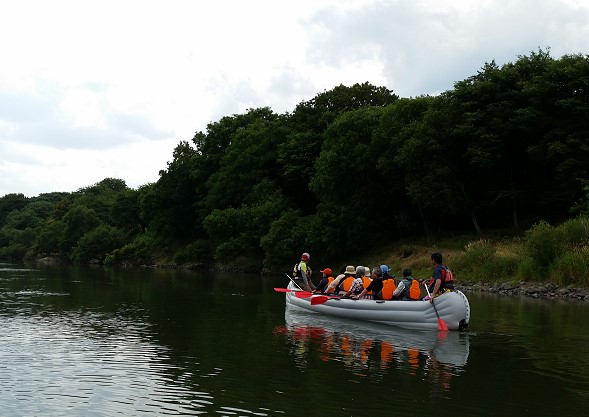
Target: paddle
x,y
293,281
441,323
299,294
320,299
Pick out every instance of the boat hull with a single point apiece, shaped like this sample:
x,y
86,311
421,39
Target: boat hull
x,y
453,307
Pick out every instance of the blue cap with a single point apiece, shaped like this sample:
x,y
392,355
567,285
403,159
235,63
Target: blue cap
x,y
385,269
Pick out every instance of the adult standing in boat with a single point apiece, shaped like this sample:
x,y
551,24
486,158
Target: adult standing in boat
x,y
442,279
324,280
375,286
302,272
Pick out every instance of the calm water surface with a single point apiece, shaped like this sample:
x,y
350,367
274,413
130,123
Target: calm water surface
x,y
96,342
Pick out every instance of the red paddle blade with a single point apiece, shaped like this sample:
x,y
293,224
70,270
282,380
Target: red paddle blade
x,y
442,325
319,299
282,290
303,294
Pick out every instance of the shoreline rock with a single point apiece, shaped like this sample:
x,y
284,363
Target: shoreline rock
x,y
549,290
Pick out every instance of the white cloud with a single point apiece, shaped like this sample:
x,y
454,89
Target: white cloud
x,y
90,90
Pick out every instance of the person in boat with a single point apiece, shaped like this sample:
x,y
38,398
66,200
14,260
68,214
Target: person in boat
x,y
385,272
408,288
357,284
336,284
302,273
375,286
324,280
442,279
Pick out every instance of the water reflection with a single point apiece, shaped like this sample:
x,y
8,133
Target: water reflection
x,y
58,357
371,350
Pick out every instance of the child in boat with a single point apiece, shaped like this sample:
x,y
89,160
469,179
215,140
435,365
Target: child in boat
x,y
324,280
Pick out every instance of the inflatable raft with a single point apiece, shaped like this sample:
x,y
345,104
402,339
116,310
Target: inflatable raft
x,y
453,308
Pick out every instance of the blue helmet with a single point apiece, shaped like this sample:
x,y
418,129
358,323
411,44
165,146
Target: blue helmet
x,y
385,269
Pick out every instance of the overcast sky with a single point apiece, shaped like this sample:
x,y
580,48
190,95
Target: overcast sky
x,y
97,89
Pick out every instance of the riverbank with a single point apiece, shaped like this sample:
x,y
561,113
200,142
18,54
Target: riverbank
x,y
528,289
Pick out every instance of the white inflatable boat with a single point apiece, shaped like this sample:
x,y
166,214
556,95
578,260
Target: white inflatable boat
x,y
453,308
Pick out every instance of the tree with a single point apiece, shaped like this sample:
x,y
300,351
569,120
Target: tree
x,y
11,202
250,159
78,221
168,206
348,182
97,243
310,119
237,232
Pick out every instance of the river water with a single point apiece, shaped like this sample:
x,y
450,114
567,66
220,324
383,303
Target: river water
x,y
98,342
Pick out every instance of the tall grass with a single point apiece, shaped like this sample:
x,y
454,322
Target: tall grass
x,y
485,260
544,253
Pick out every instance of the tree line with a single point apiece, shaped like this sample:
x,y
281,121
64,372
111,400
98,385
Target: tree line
x,y
352,168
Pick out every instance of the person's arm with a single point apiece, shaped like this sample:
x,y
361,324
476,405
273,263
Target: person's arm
x,y
322,285
352,289
304,277
366,291
436,286
399,290
331,287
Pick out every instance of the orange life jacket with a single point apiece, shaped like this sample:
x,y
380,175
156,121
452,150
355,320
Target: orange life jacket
x,y
347,283
414,292
366,282
388,287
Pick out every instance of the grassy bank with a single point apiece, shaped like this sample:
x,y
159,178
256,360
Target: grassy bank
x,y
544,253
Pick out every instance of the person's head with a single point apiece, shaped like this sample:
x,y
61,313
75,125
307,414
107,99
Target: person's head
x,y
350,270
359,271
384,269
366,271
407,272
376,273
305,257
327,272
437,258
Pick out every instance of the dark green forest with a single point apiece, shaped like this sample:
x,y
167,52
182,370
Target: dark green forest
x,y
350,169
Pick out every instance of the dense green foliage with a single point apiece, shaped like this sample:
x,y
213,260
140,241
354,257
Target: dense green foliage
x,y
350,169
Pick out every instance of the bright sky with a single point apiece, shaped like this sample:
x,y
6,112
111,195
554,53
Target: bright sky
x,y
97,89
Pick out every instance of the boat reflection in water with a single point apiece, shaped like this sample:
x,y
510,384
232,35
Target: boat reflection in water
x,y
372,349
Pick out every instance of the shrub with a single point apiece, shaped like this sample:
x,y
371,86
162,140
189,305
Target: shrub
x,y
527,270
138,252
541,244
97,243
198,251
14,251
571,268
574,233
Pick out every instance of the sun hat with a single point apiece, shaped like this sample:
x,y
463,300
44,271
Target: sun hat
x,y
366,271
326,271
350,270
385,269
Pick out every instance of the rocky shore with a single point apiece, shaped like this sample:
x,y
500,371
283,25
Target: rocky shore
x,y
549,290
